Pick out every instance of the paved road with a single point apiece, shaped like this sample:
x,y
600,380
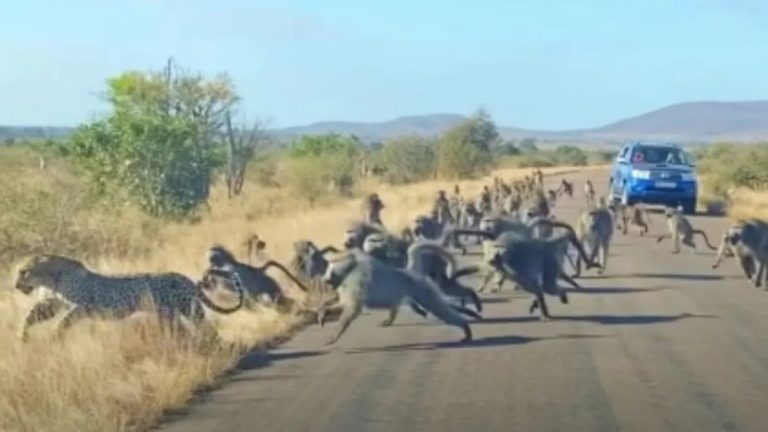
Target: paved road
x,y
659,343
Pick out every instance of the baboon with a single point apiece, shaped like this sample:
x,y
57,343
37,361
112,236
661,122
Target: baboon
x,y
435,262
749,239
535,264
372,207
253,247
308,264
589,194
637,217
552,197
441,209
503,230
680,230
256,281
565,188
595,229
364,281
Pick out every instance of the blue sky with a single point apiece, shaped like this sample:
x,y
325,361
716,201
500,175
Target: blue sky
x,y
532,63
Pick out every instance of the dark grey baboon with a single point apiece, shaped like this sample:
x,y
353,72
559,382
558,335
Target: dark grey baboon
x,y
536,265
372,207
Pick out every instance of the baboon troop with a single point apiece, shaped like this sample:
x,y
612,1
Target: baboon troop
x,y
521,239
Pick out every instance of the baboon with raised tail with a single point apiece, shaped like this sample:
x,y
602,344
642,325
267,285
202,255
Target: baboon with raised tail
x,y
681,231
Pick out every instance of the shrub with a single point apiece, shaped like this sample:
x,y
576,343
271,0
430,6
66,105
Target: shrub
x,y
318,164
570,155
465,150
407,159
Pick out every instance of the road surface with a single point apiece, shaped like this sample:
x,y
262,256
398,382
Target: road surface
x,y
661,342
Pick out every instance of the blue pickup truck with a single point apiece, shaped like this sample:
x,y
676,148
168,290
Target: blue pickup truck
x,y
654,173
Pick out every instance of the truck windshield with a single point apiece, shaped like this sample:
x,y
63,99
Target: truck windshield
x,y
659,155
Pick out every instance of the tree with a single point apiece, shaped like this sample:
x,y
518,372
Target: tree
x,y
241,147
465,150
407,159
158,145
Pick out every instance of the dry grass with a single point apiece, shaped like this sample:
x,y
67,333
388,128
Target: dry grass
x,y
115,376
746,203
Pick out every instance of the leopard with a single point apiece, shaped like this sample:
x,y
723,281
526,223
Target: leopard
x,y
68,283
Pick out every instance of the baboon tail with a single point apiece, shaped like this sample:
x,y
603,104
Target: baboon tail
x,y
467,312
429,297
293,278
466,271
219,309
706,239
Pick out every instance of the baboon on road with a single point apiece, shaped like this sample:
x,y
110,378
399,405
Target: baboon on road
x,y
536,265
364,281
681,231
595,230
749,239
589,194
565,188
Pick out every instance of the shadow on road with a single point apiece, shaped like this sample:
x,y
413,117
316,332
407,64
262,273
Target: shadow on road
x,y
599,319
496,300
612,290
689,276
477,343
260,359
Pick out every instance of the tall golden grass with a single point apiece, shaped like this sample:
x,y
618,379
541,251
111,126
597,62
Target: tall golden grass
x,y
123,375
746,203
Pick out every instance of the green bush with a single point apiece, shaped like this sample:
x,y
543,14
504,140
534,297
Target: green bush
x,y
318,164
465,150
407,159
570,155
733,165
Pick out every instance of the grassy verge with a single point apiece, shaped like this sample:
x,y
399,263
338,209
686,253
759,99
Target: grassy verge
x,y
120,376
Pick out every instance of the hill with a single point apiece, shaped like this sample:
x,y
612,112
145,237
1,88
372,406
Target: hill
x,y
685,122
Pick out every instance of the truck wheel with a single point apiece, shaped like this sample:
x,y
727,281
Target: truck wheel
x,y
689,207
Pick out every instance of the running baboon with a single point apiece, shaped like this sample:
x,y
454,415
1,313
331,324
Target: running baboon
x,y
589,194
680,230
565,188
256,281
552,197
536,265
372,207
752,238
434,261
364,281
748,262
595,230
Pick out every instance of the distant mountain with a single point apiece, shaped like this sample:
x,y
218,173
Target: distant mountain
x,y
701,121
33,132
685,122
426,125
